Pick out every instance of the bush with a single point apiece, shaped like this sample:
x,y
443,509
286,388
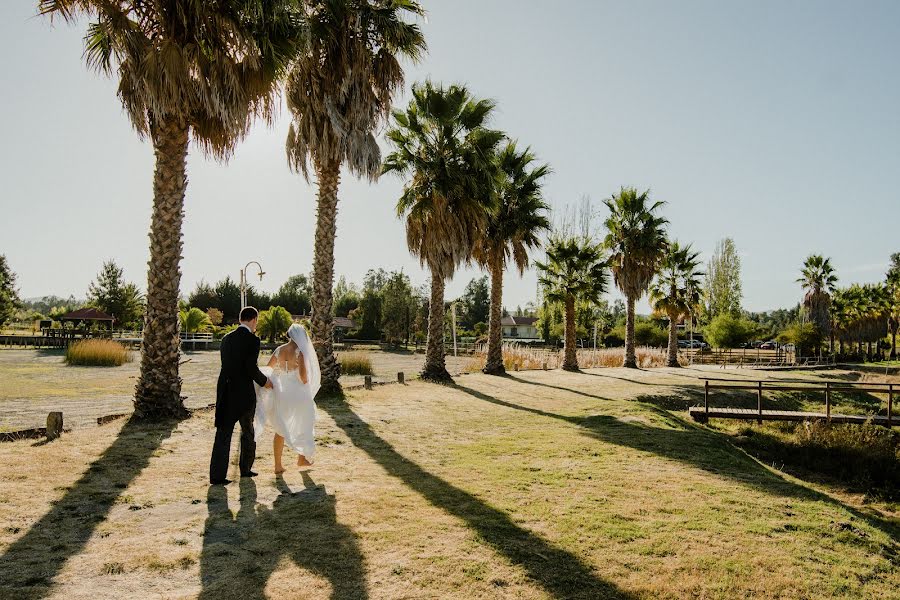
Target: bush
x,y
355,363
97,353
726,331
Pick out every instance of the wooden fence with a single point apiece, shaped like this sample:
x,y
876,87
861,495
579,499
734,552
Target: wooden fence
x,y
704,413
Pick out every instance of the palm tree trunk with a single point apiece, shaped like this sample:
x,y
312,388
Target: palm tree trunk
x,y
328,176
494,364
570,360
630,360
435,365
158,391
673,340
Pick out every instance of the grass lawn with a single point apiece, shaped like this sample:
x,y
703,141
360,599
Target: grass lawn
x,y
538,485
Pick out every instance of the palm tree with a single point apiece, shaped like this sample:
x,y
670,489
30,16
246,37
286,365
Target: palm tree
x,y
187,71
636,240
893,285
194,320
676,290
574,271
512,231
441,143
339,91
819,281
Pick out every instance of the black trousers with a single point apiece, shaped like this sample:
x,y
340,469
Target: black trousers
x,y
218,464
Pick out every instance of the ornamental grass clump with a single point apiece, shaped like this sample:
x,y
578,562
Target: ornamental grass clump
x,y
97,353
356,363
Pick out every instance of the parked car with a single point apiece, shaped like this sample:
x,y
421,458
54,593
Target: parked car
x,y
770,345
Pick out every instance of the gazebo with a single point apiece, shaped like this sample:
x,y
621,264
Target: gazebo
x,y
84,318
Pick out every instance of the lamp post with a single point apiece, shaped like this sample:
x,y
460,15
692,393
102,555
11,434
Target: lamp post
x,y
244,281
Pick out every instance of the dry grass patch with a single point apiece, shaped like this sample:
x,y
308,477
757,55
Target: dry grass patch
x,y
97,353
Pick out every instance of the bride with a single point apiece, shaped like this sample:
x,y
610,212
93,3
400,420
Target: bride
x,y
289,407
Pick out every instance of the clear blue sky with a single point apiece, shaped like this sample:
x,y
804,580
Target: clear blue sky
x,y
775,123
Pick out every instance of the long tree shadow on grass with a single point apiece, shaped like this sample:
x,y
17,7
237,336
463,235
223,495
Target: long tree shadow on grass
x,y
240,553
560,573
692,445
29,564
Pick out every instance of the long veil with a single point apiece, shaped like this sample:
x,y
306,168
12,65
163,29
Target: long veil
x,y
314,374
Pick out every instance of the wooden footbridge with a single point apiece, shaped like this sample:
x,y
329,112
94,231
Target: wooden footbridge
x,y
705,412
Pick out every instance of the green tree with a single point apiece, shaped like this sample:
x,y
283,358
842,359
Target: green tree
x,y
805,337
273,323
116,297
228,298
346,298
636,239
819,281
339,92
204,297
398,307
444,148
9,296
676,290
515,228
194,320
294,295
722,289
187,71
475,302
573,271
728,331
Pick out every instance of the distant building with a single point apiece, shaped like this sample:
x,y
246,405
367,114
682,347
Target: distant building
x,y
520,328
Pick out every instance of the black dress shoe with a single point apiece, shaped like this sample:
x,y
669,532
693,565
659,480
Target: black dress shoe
x,y
220,482
249,474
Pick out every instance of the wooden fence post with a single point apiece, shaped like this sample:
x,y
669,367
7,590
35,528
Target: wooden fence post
x,y
759,401
401,378
54,425
890,403
828,401
706,397
367,382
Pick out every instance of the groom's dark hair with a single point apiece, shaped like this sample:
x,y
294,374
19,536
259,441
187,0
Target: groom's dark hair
x,y
248,314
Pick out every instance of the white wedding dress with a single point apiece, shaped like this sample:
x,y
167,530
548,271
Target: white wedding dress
x,y
289,407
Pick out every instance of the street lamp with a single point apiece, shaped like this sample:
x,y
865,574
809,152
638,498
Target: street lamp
x,y
244,281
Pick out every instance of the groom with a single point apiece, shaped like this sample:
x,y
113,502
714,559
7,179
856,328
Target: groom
x,y
236,397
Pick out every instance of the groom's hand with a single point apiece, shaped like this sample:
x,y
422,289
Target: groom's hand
x,y
268,385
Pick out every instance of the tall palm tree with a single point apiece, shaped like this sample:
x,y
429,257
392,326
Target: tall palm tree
x,y
819,281
893,287
513,230
636,240
443,146
339,92
188,71
676,290
574,271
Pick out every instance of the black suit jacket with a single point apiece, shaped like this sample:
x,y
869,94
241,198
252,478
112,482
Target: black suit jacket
x,y
235,394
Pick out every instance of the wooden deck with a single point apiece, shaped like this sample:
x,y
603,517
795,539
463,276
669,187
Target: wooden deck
x,y
699,413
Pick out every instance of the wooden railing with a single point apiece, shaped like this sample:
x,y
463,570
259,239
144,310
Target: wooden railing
x,y
828,387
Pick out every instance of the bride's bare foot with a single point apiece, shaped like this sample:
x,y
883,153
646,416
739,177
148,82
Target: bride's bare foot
x,y
302,462
279,470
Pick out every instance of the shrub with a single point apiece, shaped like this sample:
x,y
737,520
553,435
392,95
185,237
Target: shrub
x,y
355,363
97,353
805,336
